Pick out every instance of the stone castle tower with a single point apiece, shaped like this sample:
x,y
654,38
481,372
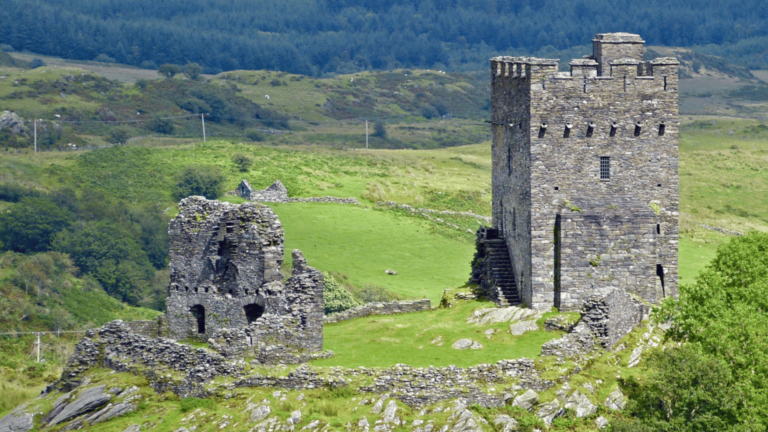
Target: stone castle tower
x,y
585,182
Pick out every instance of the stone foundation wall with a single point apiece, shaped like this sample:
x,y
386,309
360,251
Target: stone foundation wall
x,y
150,328
388,308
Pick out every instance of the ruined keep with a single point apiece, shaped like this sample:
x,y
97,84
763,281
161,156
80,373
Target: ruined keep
x,y
226,283
585,177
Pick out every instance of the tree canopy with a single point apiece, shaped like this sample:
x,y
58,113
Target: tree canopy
x,y
322,36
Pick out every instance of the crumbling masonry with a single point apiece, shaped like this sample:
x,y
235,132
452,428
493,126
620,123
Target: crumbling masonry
x,y
226,283
585,181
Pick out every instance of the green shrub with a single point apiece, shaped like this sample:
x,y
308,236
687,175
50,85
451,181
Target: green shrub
x,y
119,135
242,161
370,293
335,297
193,403
254,135
202,180
162,125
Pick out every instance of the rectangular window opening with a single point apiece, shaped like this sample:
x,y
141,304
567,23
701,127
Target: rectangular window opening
x,y
658,228
605,167
665,83
542,130
613,130
662,129
638,129
567,132
590,130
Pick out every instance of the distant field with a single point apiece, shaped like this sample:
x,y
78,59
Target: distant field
x,y
362,243
118,72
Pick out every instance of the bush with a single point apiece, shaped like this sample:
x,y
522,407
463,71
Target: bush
x,y
335,297
103,58
202,180
275,83
6,48
161,125
242,162
193,70
119,135
429,112
193,403
254,135
13,192
169,70
380,129
37,63
370,293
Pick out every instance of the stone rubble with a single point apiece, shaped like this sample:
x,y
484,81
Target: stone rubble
x,y
376,308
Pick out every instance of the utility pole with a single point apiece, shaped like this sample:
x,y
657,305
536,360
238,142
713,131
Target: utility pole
x,y
202,118
35,136
366,134
38,347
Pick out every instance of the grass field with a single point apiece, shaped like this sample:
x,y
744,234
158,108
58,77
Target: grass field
x,y
362,243
383,341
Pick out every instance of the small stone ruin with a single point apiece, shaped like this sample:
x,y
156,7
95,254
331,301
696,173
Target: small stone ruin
x,y
277,192
227,287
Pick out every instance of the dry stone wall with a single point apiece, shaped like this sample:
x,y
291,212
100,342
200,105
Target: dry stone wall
x,y
387,308
278,193
551,132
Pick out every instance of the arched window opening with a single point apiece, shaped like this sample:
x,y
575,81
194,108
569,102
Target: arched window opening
x,y
253,312
198,312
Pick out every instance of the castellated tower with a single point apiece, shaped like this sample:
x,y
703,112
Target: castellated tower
x,y
585,183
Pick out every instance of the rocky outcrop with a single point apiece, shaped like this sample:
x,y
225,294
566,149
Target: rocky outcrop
x,y
385,308
12,122
18,420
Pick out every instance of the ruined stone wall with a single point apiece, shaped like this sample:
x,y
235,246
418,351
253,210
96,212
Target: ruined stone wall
x,y
511,175
629,114
223,258
387,308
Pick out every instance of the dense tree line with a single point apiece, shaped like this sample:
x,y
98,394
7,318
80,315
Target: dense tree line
x,y
322,36
120,245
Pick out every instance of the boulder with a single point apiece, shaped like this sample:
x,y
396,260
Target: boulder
x,y
521,327
601,422
634,359
11,121
581,404
295,417
466,422
260,413
462,344
526,400
110,412
17,420
550,411
132,428
616,400
390,413
87,401
505,423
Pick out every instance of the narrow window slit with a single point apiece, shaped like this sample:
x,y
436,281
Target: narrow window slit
x,y
567,132
665,83
638,129
509,160
590,130
614,126
542,130
658,228
662,129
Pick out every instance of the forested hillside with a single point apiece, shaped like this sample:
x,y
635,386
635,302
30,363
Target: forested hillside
x,y
315,37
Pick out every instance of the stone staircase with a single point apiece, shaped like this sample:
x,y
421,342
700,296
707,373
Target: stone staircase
x,y
500,273
492,268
